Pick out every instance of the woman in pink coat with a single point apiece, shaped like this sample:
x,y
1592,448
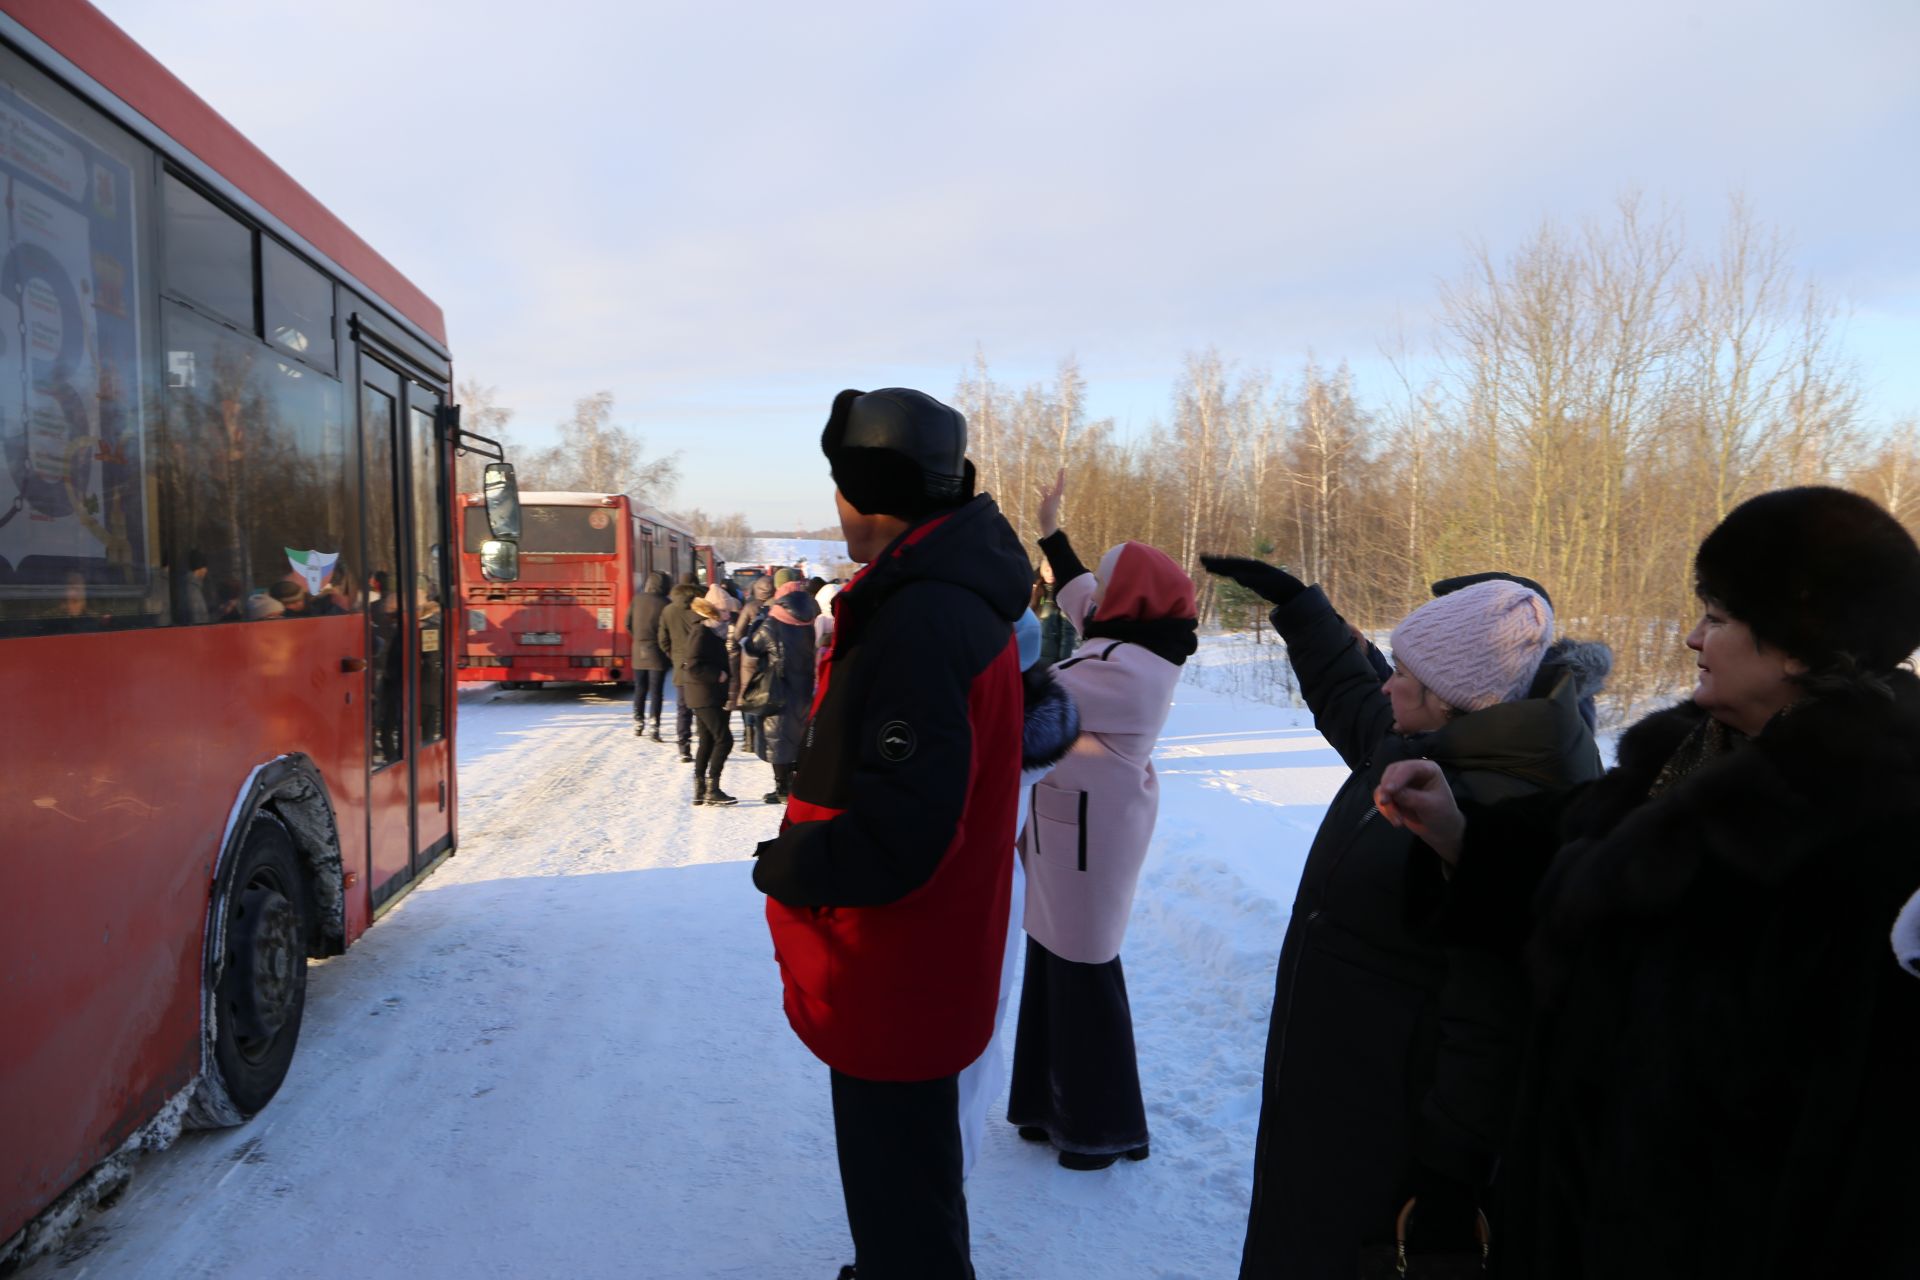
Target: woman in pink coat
x,y
1075,1080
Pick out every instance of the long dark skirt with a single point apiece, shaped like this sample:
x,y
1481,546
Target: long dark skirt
x,y
1074,1071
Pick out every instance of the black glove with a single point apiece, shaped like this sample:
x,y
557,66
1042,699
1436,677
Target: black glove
x,y
1445,1215
1273,585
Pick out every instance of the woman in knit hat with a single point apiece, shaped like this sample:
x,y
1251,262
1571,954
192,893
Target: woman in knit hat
x,y
1389,1059
1720,1075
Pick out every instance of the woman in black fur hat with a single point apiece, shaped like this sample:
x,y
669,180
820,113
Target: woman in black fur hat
x,y
1723,1073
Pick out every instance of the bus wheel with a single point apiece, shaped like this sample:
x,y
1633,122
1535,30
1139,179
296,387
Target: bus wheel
x,y
262,989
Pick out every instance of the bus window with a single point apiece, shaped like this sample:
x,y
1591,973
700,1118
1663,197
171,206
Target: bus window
x,y
255,452
76,498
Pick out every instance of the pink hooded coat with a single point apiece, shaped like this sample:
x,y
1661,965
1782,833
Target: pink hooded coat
x,y
1092,818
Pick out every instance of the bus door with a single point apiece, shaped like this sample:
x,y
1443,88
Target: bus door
x,y
409,754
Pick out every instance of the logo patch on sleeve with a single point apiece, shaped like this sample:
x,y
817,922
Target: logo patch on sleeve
x,y
897,741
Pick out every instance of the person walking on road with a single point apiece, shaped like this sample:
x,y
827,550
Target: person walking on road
x,y
779,651
1076,1078
888,886
759,595
649,661
700,652
673,621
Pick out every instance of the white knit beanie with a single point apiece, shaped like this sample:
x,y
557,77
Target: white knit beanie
x,y
1477,646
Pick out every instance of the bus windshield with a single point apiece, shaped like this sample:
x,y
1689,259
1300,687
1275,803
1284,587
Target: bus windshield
x,y
552,530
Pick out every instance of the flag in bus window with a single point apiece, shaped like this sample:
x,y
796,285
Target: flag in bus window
x,y
314,567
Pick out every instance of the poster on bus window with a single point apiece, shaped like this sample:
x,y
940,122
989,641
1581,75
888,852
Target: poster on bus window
x,y
72,487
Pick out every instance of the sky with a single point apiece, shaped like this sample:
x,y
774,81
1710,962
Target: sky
x,y
725,213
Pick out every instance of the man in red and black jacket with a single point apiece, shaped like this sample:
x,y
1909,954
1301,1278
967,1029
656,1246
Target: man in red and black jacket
x,y
888,885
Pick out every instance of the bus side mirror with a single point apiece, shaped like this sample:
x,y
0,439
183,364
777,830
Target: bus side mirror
x,y
500,560
503,501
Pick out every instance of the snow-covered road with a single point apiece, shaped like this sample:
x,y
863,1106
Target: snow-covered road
x,y
564,1054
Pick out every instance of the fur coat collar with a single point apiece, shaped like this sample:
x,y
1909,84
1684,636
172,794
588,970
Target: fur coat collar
x,y
1821,783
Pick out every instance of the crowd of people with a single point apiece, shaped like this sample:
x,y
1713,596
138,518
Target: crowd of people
x,y
1533,1016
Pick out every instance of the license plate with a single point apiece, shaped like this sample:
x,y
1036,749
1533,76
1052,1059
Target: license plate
x,y
539,637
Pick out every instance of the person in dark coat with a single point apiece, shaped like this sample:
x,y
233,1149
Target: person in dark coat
x,y
889,885
1059,636
781,642
700,675
1389,1060
759,595
649,660
673,620
1720,1071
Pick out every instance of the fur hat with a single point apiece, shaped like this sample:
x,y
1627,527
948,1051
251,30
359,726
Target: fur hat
x,y
1824,574
719,601
1477,646
897,452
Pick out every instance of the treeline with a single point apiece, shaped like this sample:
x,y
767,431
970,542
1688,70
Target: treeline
x,y
593,453
1599,399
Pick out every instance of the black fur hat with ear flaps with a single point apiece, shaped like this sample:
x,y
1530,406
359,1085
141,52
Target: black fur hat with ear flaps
x,y
1823,574
897,452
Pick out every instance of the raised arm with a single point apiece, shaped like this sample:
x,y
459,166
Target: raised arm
x,y
1338,680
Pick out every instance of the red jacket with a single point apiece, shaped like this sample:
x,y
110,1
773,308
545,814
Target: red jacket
x,y
888,883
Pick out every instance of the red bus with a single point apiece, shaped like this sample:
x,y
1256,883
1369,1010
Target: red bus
x,y
225,455
582,556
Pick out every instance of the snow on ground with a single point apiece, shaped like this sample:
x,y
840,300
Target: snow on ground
x,y
812,554
564,1054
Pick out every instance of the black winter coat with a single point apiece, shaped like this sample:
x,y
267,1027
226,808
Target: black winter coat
x,y
643,623
1723,1076
782,641
1383,1050
1058,639
891,878
679,608
699,656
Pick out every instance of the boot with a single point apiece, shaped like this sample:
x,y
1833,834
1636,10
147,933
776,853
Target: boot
x,y
699,789
774,797
715,796
686,753
1087,1164
639,728
655,735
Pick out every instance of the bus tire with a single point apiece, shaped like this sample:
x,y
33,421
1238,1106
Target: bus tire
x,y
259,976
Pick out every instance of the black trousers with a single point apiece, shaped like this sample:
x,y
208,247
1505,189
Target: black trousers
x,y
649,690
1074,1070
682,720
899,1150
716,742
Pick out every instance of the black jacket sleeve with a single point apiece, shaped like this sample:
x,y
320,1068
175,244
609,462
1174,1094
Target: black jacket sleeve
x,y
1338,681
1488,901
664,636
1065,564
910,777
